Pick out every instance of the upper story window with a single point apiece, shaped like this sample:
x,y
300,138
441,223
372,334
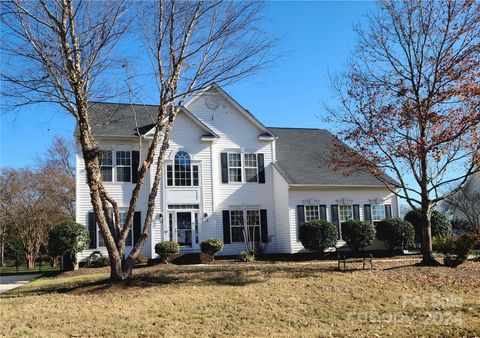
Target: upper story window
x,y
183,173
242,167
106,165
124,166
118,166
235,167
251,168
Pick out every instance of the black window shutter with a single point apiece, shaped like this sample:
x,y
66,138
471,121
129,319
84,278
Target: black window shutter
x,y
135,164
224,160
368,213
261,168
226,227
388,211
264,225
300,218
137,226
92,230
335,218
323,212
356,212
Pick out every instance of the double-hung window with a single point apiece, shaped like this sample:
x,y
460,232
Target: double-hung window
x,y
251,167
345,213
124,166
106,165
311,213
240,220
378,212
236,224
253,223
235,167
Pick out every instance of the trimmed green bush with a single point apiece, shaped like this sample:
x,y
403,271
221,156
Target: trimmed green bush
x,y
455,249
441,226
211,246
68,239
358,234
318,235
395,233
166,249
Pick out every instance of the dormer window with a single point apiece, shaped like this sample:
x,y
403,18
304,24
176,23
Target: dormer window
x,y
182,173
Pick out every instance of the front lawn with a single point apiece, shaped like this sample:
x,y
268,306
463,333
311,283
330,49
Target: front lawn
x,y
251,300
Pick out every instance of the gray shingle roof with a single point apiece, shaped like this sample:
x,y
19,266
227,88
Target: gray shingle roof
x,y
302,158
124,119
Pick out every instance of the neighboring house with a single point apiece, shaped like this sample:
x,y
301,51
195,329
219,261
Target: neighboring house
x,y
224,169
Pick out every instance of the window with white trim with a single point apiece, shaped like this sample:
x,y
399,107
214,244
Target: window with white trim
x,y
345,213
235,167
124,166
236,225
253,223
311,213
251,167
245,219
106,165
183,173
378,212
123,217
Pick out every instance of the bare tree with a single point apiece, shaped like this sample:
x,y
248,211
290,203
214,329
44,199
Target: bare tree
x,y
58,172
465,205
410,101
29,208
192,45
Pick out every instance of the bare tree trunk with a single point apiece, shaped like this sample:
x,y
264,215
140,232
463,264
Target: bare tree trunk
x,y
427,251
30,259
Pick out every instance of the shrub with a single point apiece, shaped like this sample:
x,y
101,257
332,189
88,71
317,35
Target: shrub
x,y
68,239
455,249
441,226
318,235
103,261
211,246
166,249
141,259
395,233
358,234
247,256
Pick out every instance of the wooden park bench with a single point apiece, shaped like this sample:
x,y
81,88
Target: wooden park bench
x,y
343,259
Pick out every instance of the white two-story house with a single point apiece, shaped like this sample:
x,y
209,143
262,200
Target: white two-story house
x,y
224,171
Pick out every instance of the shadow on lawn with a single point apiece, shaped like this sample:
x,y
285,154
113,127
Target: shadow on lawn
x,y
235,276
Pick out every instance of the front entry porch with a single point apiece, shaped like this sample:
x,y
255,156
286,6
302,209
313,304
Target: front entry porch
x,y
184,227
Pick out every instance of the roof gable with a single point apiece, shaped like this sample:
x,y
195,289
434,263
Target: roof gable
x,y
245,112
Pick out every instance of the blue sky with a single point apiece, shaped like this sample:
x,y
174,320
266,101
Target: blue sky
x,y
318,38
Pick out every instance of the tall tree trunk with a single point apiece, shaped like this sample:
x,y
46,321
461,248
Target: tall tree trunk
x,y
30,259
427,251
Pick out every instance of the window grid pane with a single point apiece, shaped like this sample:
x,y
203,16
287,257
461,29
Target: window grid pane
x,y
123,161
378,212
234,167
345,212
311,213
106,165
236,223
183,169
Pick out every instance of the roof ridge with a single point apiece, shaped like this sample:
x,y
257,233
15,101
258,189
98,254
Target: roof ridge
x,y
124,104
298,128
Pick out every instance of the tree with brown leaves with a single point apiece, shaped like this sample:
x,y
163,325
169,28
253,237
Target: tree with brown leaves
x,y
410,102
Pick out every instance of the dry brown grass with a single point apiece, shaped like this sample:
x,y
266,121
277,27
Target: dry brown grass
x,y
250,300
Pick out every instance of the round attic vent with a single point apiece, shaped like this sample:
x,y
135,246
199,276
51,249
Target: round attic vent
x,y
212,102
